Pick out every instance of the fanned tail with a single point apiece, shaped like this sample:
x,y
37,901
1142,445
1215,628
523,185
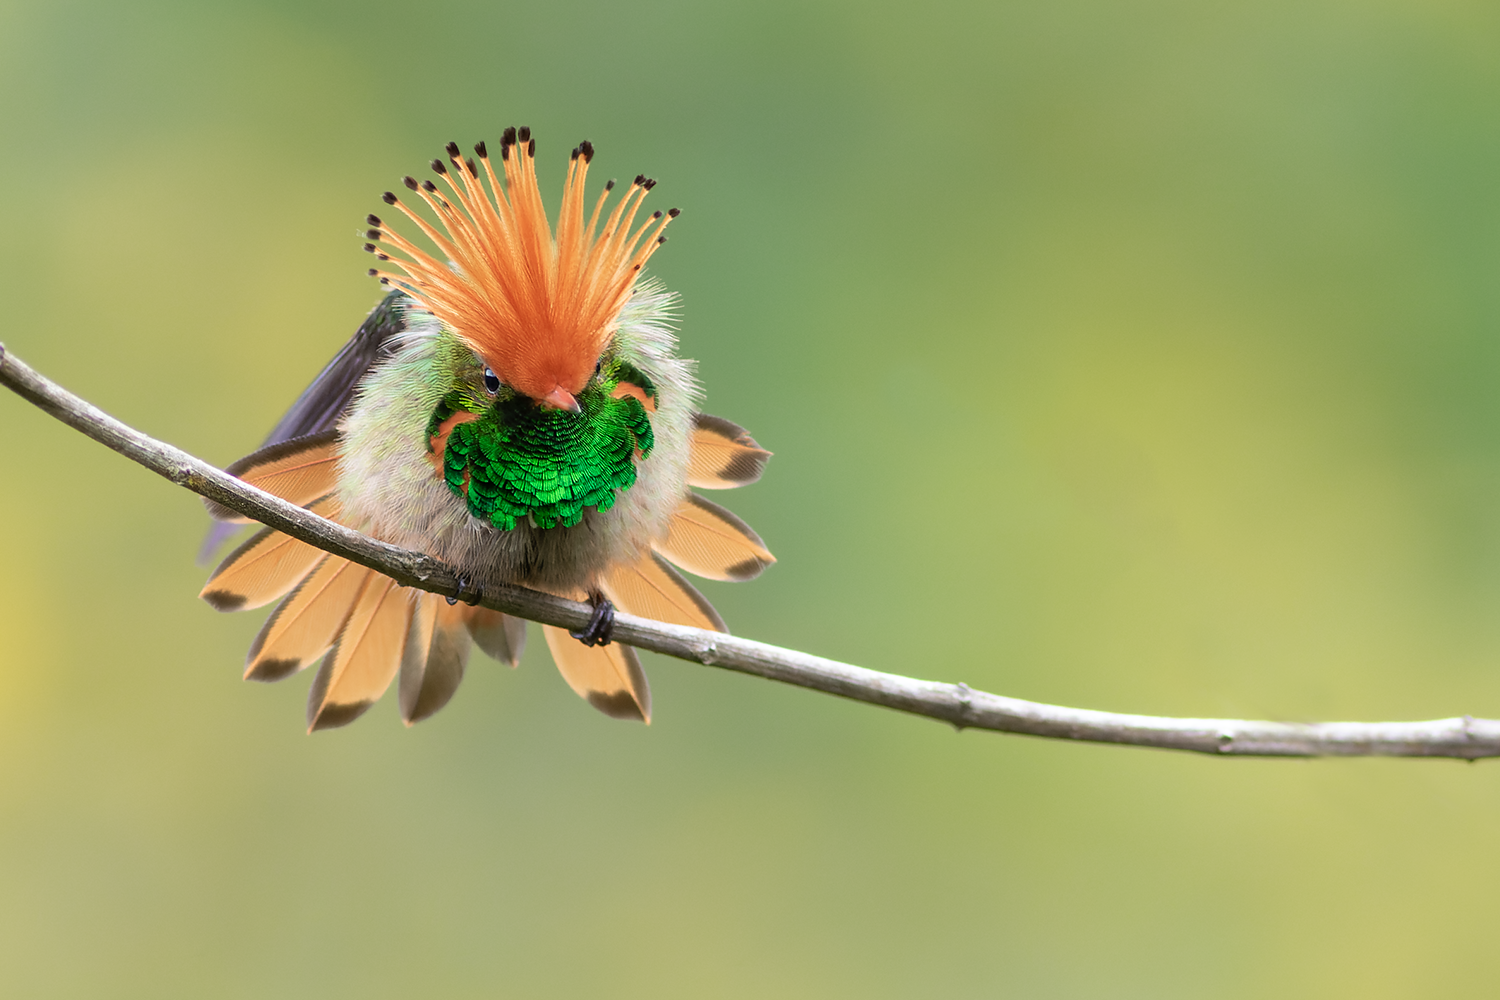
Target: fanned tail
x,y
608,677
437,650
709,541
364,657
299,471
266,567
501,636
432,665
724,455
306,623
651,588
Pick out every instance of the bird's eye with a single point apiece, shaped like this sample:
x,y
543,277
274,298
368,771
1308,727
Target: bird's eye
x,y
491,382
597,366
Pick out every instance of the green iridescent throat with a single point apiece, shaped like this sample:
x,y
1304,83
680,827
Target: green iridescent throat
x,y
518,459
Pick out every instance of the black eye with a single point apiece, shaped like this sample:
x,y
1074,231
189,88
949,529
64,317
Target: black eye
x,y
491,383
598,365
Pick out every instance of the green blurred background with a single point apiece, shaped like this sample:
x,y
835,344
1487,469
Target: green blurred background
x,y
1138,356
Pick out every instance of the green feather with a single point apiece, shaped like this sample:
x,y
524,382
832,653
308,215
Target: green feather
x,y
520,460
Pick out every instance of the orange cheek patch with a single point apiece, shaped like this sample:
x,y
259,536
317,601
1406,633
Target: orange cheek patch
x,y
633,391
636,392
439,442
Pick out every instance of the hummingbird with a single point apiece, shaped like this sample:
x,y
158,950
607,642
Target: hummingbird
x,y
513,406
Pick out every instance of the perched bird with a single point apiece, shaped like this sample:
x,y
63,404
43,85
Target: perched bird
x,y
514,407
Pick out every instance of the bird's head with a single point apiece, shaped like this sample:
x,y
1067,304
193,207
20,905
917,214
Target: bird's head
x,y
567,418
539,309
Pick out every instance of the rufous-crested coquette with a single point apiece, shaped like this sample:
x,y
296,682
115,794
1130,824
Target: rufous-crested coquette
x,y
514,407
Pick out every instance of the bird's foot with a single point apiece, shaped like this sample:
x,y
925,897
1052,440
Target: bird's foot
x,y
463,585
598,630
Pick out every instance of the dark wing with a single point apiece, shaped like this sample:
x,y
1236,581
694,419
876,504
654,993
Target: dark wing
x,y
322,403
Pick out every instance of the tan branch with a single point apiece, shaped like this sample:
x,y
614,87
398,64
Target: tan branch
x,y
956,704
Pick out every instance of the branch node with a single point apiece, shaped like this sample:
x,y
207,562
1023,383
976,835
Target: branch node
x,y
1226,741
965,706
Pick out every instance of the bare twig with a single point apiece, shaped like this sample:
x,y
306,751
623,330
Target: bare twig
x,y
956,704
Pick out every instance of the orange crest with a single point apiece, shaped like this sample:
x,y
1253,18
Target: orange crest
x,y
539,310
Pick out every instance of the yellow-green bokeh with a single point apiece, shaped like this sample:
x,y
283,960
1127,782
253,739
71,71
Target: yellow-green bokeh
x,y
1139,355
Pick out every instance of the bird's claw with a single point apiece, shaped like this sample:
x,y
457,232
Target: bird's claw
x,y
463,585
601,624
